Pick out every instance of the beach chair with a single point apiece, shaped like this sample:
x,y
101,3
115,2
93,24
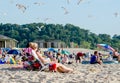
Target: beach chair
x,y
35,64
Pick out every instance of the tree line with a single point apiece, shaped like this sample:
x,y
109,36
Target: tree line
x,y
67,33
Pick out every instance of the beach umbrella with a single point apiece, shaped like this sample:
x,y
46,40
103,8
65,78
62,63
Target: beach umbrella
x,y
106,47
65,52
51,49
6,49
13,51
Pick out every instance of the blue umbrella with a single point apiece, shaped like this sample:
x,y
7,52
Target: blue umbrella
x,y
52,49
15,52
6,49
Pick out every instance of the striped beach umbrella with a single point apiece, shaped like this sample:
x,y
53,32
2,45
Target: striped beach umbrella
x,y
106,47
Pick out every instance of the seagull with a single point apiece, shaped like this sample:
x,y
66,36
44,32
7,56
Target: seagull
x,y
79,1
66,11
46,19
3,13
26,28
39,28
21,7
38,3
11,1
116,14
68,1
90,16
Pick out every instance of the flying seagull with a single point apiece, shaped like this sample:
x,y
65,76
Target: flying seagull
x,y
116,14
39,28
11,1
21,7
46,19
68,1
3,13
66,11
79,1
39,3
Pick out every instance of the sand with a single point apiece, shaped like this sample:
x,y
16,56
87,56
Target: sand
x,y
83,73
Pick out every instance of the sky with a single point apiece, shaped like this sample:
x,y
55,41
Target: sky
x,y
97,16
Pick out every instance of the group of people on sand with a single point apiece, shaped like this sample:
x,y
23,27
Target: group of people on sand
x,y
97,57
33,60
8,59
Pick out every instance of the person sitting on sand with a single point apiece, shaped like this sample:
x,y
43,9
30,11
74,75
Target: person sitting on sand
x,y
57,66
52,66
116,55
2,60
95,58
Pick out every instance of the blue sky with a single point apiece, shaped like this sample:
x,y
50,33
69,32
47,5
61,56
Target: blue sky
x,y
98,16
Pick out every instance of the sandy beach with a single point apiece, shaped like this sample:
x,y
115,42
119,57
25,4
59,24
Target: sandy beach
x,y
105,73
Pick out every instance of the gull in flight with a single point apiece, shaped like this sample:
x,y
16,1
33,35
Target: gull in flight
x,y
3,13
11,1
39,3
66,11
79,1
21,7
39,28
116,14
90,16
68,1
46,19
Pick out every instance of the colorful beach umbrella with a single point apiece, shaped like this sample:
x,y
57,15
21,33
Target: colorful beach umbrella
x,y
106,47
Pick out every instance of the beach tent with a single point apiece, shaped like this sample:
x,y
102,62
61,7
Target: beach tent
x,y
105,47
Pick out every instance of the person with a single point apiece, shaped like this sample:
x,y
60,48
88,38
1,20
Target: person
x,y
79,56
57,66
95,58
30,61
116,55
100,56
2,60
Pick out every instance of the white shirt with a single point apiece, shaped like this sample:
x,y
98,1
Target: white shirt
x,y
34,54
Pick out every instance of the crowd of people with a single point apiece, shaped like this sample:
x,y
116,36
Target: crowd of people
x,y
32,58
